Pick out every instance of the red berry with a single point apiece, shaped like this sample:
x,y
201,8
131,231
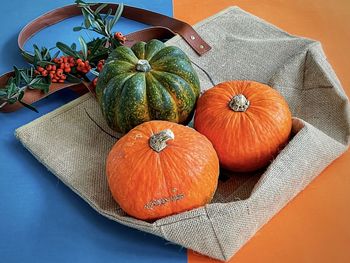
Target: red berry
x,y
61,80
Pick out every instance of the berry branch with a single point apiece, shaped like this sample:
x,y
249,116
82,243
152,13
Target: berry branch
x,y
73,65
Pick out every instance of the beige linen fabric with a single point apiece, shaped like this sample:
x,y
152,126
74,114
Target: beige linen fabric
x,y
73,148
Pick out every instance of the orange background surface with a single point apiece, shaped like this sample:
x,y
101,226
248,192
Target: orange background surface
x,y
315,226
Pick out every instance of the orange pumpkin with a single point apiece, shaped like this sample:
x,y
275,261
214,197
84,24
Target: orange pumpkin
x,y
160,168
248,123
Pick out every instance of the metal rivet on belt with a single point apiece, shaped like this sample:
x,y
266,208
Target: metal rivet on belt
x,y
201,46
193,37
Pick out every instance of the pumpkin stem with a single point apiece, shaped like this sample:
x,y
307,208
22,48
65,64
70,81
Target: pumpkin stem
x,y
239,103
158,141
143,65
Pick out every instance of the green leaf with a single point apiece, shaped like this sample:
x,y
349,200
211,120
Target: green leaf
x,y
100,7
67,50
110,10
28,57
56,54
87,19
3,93
73,79
96,45
40,86
24,76
11,101
103,54
97,26
84,48
73,46
44,63
37,52
46,54
29,106
17,76
77,28
114,42
117,14
11,90
79,2
20,95
109,26
88,10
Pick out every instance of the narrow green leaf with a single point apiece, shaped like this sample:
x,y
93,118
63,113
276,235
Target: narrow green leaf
x,y
56,54
117,14
24,76
88,10
84,48
79,2
73,46
77,28
103,54
3,93
87,18
109,26
73,79
37,53
17,76
97,26
40,86
20,95
96,45
11,101
114,42
100,7
29,106
44,63
110,10
28,57
45,53
12,89
67,50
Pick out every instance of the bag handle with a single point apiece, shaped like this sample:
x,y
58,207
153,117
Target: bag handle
x,y
163,23
164,27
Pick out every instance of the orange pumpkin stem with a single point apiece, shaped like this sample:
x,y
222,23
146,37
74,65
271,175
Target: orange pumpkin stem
x,y
143,65
158,141
239,103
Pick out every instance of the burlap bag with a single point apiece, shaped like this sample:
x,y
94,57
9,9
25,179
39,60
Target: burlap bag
x,y
74,148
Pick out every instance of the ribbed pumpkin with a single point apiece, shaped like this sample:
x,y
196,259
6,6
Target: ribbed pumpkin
x,y
247,122
160,168
147,82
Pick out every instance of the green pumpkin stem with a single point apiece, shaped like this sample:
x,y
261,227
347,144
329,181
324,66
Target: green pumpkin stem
x,y
143,65
158,141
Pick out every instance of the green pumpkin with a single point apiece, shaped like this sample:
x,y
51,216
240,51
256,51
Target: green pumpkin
x,y
150,81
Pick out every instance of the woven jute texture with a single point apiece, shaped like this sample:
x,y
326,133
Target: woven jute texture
x,y
74,148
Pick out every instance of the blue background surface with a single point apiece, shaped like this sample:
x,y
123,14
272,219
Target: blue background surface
x,y
41,220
